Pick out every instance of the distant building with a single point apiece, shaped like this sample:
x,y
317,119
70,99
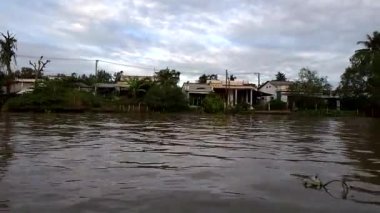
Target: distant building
x,y
19,85
233,92
278,90
196,92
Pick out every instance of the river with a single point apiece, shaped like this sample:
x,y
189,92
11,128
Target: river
x,y
187,163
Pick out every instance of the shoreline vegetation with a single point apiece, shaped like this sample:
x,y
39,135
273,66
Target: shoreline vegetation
x,y
357,94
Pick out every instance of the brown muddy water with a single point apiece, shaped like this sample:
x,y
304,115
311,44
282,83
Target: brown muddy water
x,y
186,163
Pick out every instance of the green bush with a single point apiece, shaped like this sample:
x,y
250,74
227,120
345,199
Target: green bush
x,y
166,98
277,105
53,96
213,104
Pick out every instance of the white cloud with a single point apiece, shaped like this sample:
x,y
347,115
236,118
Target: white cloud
x,y
194,36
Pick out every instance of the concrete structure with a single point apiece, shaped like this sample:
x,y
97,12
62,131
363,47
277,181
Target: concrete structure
x,y
196,92
278,90
233,92
126,78
19,85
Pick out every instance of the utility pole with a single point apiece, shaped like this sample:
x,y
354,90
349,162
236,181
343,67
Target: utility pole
x,y
96,67
258,78
227,95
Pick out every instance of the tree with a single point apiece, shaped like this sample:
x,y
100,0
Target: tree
x,y
8,49
232,78
117,76
166,98
103,77
2,80
204,78
310,84
38,67
361,80
26,72
167,77
138,87
280,76
308,89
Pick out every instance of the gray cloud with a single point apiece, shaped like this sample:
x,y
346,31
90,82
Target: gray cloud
x,y
195,36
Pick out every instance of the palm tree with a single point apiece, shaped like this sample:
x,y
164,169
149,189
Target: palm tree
x,y
8,46
366,55
138,86
368,62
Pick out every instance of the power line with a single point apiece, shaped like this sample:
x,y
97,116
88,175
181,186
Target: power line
x,y
56,58
127,65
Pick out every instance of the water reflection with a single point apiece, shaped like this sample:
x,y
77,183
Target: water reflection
x,y
72,161
6,153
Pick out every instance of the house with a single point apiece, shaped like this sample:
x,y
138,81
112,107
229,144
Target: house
x,y
278,90
19,85
106,88
126,78
83,87
124,82
233,92
196,92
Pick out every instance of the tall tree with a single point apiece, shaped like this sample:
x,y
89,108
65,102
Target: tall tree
x,y
8,44
362,78
103,76
25,72
38,67
167,77
204,78
280,76
310,84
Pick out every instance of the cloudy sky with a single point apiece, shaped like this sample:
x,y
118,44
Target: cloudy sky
x,y
194,36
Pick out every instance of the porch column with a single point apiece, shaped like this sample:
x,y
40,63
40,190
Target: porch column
x,y
236,96
338,104
251,97
246,97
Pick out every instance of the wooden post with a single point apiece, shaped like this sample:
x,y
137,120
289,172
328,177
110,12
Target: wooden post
x,y
269,106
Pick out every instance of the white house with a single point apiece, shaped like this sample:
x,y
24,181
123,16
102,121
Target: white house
x,y
20,85
277,89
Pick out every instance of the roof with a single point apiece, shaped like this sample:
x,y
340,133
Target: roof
x,y
277,83
197,88
139,77
82,85
221,86
105,85
24,80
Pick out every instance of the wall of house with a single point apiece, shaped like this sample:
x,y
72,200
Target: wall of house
x,y
270,89
17,87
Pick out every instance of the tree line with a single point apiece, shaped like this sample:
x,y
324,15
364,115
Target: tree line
x,y
359,87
